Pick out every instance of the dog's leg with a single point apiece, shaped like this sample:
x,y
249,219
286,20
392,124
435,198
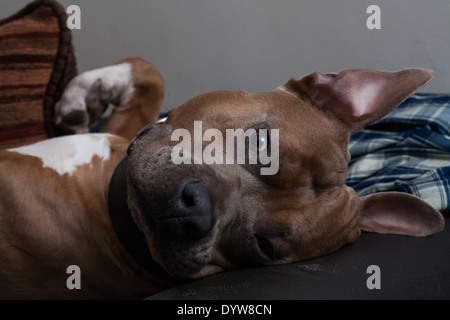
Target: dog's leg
x,y
133,86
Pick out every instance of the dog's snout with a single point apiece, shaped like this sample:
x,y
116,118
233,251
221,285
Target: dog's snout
x,y
189,211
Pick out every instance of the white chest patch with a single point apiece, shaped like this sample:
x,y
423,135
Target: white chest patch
x,y
64,154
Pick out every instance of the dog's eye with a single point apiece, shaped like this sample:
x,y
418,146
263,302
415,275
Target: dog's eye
x,y
265,246
262,132
263,139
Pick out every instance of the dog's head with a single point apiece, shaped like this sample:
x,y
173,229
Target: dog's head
x,y
205,208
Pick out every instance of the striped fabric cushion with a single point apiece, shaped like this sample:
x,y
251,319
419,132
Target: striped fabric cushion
x,y
36,62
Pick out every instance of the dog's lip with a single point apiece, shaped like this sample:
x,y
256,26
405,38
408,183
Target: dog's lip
x,y
210,269
205,271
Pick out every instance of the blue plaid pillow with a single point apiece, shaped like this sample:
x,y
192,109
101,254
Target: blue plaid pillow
x,y
408,151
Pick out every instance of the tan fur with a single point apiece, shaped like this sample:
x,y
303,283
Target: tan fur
x,y
49,222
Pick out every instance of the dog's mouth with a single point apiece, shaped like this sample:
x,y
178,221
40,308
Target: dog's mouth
x,y
174,205
179,228
184,261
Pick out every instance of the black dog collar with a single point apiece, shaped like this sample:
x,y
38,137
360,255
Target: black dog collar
x,y
126,229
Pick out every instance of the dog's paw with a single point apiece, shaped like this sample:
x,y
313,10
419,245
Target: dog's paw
x,y
82,104
87,96
98,97
71,116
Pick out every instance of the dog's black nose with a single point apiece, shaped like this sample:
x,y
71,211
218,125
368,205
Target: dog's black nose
x,y
189,211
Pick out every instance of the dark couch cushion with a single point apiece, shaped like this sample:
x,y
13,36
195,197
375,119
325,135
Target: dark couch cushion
x,y
410,268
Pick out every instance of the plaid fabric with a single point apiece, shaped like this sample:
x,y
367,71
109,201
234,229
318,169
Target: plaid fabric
x,y
407,151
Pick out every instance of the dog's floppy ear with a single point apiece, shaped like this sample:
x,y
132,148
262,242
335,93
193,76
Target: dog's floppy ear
x,y
361,96
399,213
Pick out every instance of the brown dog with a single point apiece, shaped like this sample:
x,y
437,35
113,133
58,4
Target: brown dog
x,y
198,219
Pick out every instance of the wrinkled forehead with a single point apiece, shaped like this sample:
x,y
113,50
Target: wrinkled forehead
x,y
233,109
221,108
308,136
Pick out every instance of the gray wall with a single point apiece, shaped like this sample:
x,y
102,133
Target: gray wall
x,y
257,45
